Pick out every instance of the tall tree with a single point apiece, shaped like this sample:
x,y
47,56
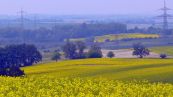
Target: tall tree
x,y
140,50
80,47
70,50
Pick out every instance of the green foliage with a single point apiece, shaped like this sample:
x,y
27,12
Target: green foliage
x,y
140,50
110,54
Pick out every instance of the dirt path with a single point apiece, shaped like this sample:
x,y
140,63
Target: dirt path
x,y
127,53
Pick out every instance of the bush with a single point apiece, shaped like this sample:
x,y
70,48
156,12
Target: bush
x,y
163,56
94,54
110,54
12,71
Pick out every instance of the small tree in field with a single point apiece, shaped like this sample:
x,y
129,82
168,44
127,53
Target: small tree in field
x,y
110,54
56,56
140,50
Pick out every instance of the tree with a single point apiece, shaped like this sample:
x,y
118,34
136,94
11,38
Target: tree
x,y
14,56
140,50
69,50
95,52
80,47
29,54
56,56
110,54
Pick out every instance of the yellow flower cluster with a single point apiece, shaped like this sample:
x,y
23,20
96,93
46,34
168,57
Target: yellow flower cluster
x,y
51,86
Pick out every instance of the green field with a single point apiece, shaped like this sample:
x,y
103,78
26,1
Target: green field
x,y
165,50
93,78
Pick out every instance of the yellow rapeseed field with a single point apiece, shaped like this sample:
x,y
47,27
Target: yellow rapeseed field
x,y
93,78
51,86
124,36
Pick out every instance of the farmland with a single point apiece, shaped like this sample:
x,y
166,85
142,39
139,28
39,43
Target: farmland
x,y
93,78
114,37
115,69
52,86
124,36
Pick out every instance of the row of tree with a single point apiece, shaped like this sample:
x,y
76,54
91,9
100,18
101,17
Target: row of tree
x,y
77,51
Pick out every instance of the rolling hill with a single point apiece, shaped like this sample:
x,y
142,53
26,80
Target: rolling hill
x,y
117,69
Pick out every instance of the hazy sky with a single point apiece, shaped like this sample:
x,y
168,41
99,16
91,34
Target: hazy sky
x,y
61,7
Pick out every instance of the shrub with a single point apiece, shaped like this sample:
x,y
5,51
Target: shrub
x,y
110,54
12,71
163,56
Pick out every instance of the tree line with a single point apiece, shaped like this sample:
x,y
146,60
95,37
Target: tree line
x,y
59,33
77,50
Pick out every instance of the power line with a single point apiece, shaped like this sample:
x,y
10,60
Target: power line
x,y
21,12
165,16
22,18
35,22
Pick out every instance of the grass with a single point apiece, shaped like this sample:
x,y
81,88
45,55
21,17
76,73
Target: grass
x,y
154,70
165,50
124,36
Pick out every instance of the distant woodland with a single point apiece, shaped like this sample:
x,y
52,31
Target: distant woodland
x,y
59,33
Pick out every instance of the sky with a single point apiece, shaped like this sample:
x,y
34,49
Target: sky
x,y
82,7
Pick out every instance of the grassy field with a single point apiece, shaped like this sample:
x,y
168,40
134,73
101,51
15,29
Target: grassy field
x,y
124,36
166,50
93,78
